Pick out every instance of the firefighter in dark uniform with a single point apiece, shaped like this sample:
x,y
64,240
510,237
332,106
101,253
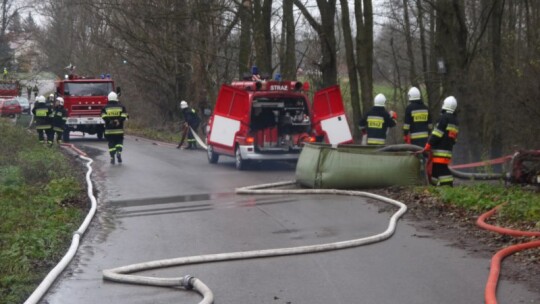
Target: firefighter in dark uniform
x,y
59,118
417,123
192,120
114,114
42,117
441,143
377,121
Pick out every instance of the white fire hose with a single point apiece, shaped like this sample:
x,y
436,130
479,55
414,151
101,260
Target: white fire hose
x,y
57,270
122,274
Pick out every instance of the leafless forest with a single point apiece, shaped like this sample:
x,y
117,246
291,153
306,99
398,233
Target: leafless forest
x,y
484,52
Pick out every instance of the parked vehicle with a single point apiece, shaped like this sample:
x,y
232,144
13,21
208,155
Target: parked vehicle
x,y
25,104
84,98
10,107
271,120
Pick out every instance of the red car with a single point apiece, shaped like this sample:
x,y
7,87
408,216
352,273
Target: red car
x,y
10,107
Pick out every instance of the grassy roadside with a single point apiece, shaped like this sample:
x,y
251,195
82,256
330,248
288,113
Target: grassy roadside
x,y
519,206
40,199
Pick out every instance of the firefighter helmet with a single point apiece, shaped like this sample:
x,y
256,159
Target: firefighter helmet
x,y
449,104
40,98
183,104
60,101
112,96
414,94
380,100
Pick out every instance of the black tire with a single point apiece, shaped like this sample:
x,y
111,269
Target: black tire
x,y
239,162
212,156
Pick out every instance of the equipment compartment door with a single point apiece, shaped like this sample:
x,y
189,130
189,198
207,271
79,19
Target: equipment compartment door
x,y
329,116
231,110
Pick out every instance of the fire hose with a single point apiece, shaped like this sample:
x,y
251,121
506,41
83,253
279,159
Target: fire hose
x,y
490,294
122,274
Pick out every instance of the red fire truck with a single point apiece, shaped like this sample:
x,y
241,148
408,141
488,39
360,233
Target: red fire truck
x,y
9,88
271,120
83,99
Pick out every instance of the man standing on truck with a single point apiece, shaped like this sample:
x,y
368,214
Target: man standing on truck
x,y
42,116
114,114
35,89
191,122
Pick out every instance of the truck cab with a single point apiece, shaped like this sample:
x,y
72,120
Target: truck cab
x,y
271,120
84,98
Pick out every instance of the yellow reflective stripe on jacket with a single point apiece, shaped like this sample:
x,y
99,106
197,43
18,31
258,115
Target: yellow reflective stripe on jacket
x,y
442,153
375,141
375,122
452,127
112,112
437,133
419,115
406,126
417,135
114,131
41,112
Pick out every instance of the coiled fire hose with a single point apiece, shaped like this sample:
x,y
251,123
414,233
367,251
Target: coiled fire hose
x,y
122,274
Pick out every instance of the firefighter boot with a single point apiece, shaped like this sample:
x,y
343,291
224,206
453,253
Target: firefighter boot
x,y
112,159
119,157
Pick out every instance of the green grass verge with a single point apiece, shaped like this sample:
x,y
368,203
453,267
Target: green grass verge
x,y
40,199
521,205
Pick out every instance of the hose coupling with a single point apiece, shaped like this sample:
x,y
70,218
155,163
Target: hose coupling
x,y
187,282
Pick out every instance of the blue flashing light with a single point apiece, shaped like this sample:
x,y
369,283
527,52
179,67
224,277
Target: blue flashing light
x,y
277,77
108,76
102,76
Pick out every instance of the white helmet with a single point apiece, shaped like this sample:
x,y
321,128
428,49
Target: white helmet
x,y
414,94
183,104
380,100
112,96
449,104
40,98
60,100
51,95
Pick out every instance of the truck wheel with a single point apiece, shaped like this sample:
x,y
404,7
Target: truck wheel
x,y
65,136
212,156
240,163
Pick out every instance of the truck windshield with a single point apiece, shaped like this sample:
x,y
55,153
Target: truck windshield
x,y
88,88
8,86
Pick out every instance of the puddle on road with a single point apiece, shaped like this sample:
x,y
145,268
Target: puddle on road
x,y
203,202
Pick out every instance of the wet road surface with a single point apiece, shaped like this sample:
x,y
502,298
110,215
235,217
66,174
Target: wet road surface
x,y
165,203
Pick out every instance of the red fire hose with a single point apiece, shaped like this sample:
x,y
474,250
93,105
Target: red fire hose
x,y
490,295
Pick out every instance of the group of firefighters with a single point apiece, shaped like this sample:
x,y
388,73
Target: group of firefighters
x,y
418,130
50,118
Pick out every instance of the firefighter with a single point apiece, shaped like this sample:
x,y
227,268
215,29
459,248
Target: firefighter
x,y
191,120
441,142
35,89
377,121
417,123
42,117
114,114
59,118
50,101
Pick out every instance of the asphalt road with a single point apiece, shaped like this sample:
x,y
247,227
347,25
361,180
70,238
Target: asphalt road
x,y
166,203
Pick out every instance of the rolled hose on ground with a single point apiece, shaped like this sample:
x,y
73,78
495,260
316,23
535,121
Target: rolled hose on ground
x,y
57,270
490,294
121,274
455,173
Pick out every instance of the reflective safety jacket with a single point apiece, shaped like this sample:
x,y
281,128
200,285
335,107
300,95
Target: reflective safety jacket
x,y
114,114
417,123
375,124
42,114
191,117
59,117
443,138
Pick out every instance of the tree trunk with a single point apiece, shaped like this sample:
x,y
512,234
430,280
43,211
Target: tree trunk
x,y
364,50
352,70
410,53
244,10
288,68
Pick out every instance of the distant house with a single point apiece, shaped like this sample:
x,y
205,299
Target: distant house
x,y
25,53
